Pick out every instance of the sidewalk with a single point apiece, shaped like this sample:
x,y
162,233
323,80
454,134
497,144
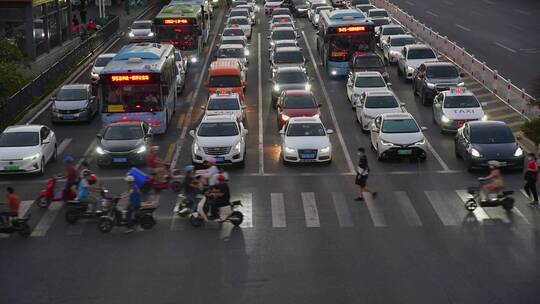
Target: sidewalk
x,y
46,60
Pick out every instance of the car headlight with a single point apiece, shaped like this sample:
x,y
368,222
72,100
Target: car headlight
x,y
316,116
246,52
461,84
386,143
151,34
519,152
421,142
193,59
484,118
196,148
308,86
238,146
431,85
475,153
100,151
141,149
325,149
445,119
131,35
272,43
31,157
333,73
285,117
290,150
276,88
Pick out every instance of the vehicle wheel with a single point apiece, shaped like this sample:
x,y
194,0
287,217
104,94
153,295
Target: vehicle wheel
x,y
54,157
508,203
469,166
71,217
42,202
105,224
471,205
147,222
196,221
42,168
236,218
176,186
24,230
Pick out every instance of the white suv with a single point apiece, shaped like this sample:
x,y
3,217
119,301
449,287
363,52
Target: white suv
x,y
221,137
305,139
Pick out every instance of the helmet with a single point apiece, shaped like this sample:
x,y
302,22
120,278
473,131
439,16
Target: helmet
x,y
189,168
92,179
68,159
129,178
493,164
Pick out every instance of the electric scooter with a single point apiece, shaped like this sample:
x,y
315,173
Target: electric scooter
x,y
51,194
116,216
477,198
17,225
76,210
228,213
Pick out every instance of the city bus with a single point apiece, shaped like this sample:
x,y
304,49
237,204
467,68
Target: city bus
x,y
341,34
139,84
184,25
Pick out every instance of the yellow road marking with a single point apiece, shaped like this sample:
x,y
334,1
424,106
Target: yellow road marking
x,y
180,123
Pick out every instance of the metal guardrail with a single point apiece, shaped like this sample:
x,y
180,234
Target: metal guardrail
x,y
517,98
25,98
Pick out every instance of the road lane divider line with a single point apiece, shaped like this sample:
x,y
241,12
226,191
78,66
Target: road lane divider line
x,y
260,105
432,13
86,153
310,210
375,212
47,220
189,98
437,156
190,111
170,152
342,210
407,208
63,145
462,27
330,106
505,116
278,210
247,210
505,47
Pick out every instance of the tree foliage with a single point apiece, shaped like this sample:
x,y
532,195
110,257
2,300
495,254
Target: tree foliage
x,y
531,129
10,79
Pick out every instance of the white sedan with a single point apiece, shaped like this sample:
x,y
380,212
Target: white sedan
x,y
27,149
360,82
305,139
373,104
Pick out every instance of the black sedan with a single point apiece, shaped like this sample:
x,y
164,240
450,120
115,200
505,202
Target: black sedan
x,y
123,143
368,62
478,142
299,8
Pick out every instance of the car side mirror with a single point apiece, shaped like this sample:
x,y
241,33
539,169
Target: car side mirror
x,y
402,104
244,107
329,131
484,104
53,98
150,133
388,84
99,135
423,128
192,133
518,137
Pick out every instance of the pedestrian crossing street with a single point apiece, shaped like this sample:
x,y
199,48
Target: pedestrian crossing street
x,y
311,210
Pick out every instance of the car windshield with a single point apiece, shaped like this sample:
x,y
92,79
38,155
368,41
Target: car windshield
x,y
282,19
234,41
233,32
381,102
442,72
284,35
274,0
215,129
400,126
359,2
102,61
123,132
322,8
230,53
281,57
220,104
491,135
240,13
299,102
402,41
239,21
19,139
306,129
393,31
141,25
291,77
226,81
286,44
378,14
368,62
467,101
421,54
370,82
71,94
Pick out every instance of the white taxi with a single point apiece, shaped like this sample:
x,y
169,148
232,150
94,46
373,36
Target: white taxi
x,y
225,102
452,108
305,139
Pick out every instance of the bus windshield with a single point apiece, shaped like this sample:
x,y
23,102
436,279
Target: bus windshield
x,y
341,47
183,38
133,97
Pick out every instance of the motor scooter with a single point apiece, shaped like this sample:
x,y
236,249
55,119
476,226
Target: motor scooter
x,y
182,207
116,216
147,182
17,225
76,210
228,213
477,198
51,194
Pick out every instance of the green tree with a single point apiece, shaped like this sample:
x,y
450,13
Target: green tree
x,y
10,79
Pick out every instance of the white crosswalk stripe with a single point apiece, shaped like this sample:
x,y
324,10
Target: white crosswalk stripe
x,y
278,210
310,209
377,215
247,210
479,212
407,208
47,220
63,145
342,210
449,212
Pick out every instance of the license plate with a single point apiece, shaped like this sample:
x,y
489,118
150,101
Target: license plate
x,y
404,152
220,159
308,156
503,164
68,117
120,160
11,168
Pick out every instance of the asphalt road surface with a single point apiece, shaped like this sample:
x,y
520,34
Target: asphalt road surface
x,y
502,33
304,239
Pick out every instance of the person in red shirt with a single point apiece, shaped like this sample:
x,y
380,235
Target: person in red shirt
x,y
92,26
14,202
531,176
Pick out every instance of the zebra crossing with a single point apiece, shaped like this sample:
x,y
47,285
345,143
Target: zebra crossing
x,y
313,210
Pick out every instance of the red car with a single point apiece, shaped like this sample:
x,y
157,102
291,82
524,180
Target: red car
x,y
296,103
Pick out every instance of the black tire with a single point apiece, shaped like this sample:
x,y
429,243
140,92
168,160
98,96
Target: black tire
x,y
24,230
42,169
42,202
147,222
71,217
196,221
105,224
176,186
238,218
508,203
470,205
399,72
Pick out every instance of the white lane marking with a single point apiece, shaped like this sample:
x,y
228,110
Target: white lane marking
x,y
442,208
437,156
432,13
278,210
310,209
63,145
330,106
342,210
260,105
247,210
505,47
176,224
374,210
479,212
463,27
408,209
86,153
522,12
187,119
47,220
410,3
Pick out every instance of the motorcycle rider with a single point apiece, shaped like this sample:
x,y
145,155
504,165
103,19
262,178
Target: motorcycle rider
x,y
13,202
495,181
219,196
71,176
157,165
190,186
134,196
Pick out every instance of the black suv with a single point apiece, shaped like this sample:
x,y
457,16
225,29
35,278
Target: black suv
x,y
430,78
299,8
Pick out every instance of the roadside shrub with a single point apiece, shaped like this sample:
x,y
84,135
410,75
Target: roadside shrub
x,y
531,129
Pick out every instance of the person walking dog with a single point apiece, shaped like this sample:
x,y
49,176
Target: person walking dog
x,y
362,173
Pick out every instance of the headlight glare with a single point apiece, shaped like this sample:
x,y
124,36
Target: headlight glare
x,y
276,88
290,150
141,149
31,157
325,149
100,151
445,119
475,153
131,35
519,152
